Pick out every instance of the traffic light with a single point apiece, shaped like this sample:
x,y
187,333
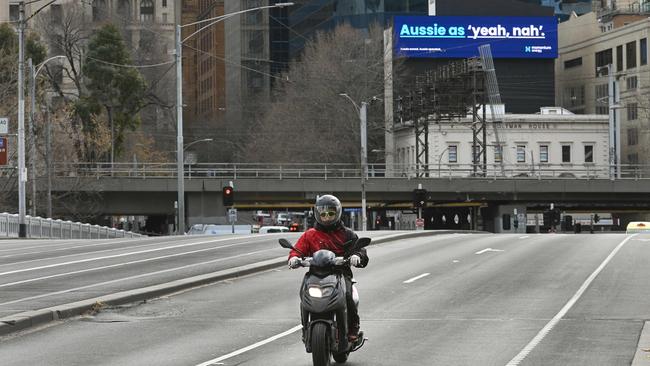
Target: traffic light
x,y
556,217
596,218
228,196
515,223
419,198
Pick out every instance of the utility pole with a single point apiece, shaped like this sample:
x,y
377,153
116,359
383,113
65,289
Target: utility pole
x,y
32,142
364,163
22,173
179,133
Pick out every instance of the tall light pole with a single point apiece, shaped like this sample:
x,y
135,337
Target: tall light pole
x,y
179,99
22,173
196,142
33,72
363,155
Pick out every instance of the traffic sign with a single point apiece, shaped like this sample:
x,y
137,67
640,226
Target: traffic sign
x,y
232,215
4,125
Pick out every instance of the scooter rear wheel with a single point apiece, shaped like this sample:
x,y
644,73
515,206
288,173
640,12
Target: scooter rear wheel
x,y
320,345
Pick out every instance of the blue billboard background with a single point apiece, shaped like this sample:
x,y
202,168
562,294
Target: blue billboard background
x,y
460,37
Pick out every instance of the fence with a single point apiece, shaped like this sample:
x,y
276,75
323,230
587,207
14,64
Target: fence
x,y
38,227
324,171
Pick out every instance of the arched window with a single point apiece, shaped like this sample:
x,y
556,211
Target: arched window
x,y
146,11
100,11
124,9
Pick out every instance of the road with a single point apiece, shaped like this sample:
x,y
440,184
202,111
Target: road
x,y
442,300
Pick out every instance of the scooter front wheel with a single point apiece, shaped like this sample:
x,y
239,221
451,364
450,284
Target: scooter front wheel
x,y
320,345
341,357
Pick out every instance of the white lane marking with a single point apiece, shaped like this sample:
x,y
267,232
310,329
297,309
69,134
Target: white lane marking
x,y
120,255
252,346
131,277
524,237
417,278
56,244
488,250
455,261
556,319
118,265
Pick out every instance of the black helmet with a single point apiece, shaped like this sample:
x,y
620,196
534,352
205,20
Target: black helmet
x,y
328,210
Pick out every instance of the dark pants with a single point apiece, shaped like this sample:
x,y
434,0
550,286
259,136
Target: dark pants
x,y
353,312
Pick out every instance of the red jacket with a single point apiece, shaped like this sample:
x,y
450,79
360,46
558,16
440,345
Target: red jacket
x,y
314,240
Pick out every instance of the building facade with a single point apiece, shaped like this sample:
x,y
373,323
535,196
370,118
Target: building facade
x,y
553,143
587,45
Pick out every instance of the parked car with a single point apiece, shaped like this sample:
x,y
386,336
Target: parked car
x,y
273,229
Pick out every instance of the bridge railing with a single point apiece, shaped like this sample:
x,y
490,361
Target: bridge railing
x,y
344,170
38,227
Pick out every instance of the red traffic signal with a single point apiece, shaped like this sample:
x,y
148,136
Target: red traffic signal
x,y
228,196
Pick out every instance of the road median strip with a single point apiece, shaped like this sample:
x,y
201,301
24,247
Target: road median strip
x,y
25,320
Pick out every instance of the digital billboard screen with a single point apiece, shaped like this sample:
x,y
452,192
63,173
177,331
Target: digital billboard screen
x,y
460,36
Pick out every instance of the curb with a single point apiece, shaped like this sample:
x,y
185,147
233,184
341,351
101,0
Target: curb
x,y
27,319
642,355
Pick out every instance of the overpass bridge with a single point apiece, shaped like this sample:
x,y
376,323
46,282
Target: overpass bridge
x,y
151,189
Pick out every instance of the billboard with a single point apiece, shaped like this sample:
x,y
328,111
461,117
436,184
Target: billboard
x,y
460,36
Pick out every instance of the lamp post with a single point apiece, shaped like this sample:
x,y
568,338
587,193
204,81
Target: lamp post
x,y
33,71
440,159
179,100
196,142
364,158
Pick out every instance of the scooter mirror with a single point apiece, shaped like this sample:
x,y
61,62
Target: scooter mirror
x,y
285,243
362,242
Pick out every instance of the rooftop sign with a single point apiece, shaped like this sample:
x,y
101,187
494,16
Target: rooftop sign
x,y
460,37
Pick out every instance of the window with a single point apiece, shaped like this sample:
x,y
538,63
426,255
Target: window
x,y
619,58
453,153
602,95
603,58
573,63
14,12
589,153
632,111
256,44
632,136
566,153
99,10
164,17
632,82
543,153
498,154
630,53
164,3
643,50
521,153
56,14
146,11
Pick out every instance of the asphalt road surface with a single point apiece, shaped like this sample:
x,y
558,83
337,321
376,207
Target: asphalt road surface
x,y
455,299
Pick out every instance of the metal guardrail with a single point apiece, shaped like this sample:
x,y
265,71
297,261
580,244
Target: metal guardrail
x,y
38,227
326,171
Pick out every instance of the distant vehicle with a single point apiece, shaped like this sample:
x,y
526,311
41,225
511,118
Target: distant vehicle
x,y
283,218
273,229
213,229
294,227
635,227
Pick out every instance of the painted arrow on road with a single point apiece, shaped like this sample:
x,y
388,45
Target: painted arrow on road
x,y
488,250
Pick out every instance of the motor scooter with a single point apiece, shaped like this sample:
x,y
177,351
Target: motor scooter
x,y
323,305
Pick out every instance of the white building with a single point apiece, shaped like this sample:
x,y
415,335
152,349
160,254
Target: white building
x,y
552,143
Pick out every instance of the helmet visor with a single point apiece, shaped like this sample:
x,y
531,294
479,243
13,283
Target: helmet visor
x,y
327,214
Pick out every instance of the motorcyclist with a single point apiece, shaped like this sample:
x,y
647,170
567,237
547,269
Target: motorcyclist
x,y
330,233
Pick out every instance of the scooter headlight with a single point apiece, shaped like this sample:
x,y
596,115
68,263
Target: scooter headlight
x,y
320,291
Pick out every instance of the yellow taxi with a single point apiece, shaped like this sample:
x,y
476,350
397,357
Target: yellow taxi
x,y
638,227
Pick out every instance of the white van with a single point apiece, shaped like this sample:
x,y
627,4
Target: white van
x,y
273,229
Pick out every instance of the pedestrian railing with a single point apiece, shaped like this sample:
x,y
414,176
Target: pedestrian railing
x,y
344,170
38,227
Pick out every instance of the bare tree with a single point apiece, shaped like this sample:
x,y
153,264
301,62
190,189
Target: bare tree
x,y
309,121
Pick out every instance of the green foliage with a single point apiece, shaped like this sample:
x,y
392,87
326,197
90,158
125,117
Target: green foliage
x,y
118,90
9,52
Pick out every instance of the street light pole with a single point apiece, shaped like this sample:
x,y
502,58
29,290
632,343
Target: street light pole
x,y
179,100
22,174
33,72
364,161
180,229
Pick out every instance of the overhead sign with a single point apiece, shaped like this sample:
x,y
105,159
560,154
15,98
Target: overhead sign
x,y
460,36
3,151
4,125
